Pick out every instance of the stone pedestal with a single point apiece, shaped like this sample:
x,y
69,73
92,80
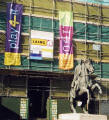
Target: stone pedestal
x,y
81,116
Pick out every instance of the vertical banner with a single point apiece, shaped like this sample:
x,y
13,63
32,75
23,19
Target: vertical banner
x,y
14,16
66,34
24,108
53,111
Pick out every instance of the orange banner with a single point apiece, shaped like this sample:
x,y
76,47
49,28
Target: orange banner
x,y
66,33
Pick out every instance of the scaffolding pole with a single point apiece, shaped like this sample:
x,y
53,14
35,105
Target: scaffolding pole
x,y
29,36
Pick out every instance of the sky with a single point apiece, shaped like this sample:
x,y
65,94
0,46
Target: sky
x,y
104,2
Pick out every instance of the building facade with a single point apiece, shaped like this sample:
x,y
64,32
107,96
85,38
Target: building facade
x,y
39,85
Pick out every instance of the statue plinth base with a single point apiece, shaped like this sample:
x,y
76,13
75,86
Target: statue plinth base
x,y
81,116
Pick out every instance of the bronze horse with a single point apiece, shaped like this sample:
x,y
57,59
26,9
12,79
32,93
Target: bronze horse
x,y
82,86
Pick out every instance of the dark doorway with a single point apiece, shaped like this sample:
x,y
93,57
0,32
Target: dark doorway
x,y
38,92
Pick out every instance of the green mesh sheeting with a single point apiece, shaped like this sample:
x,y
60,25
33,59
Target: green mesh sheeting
x,y
101,69
81,31
2,21
44,24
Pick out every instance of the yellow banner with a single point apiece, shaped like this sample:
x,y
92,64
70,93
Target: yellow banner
x,y
66,35
37,41
12,58
65,61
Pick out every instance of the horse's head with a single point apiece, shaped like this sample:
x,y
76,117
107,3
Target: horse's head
x,y
89,66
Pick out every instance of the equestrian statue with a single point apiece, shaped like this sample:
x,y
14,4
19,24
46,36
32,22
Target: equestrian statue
x,y
82,86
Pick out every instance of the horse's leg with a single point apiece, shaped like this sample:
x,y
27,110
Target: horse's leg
x,y
85,90
84,102
84,110
96,85
87,99
72,102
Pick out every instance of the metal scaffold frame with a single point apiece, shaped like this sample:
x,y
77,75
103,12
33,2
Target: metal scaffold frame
x,y
86,15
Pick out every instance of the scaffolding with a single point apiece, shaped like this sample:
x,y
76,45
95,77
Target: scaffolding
x,y
81,35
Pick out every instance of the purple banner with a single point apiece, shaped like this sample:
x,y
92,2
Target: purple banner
x,y
66,49
14,17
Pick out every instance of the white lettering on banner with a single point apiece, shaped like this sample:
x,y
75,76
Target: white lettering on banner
x,y
66,40
14,30
13,45
13,38
14,12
